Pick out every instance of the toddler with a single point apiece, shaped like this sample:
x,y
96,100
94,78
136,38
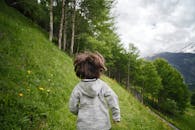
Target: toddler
x,y
92,97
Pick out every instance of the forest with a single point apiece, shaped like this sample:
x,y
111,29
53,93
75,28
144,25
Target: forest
x,y
87,25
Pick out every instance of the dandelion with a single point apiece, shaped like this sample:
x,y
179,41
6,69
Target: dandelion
x,y
48,90
41,88
20,94
29,71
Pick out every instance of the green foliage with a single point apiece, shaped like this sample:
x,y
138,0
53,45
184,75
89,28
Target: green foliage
x,y
184,62
30,8
133,63
148,79
174,87
97,32
169,106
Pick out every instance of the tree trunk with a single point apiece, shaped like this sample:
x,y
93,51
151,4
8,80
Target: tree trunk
x,y
142,92
128,75
73,27
51,20
65,25
61,26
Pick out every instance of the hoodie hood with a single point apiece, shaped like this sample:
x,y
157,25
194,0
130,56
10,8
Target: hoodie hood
x,y
90,87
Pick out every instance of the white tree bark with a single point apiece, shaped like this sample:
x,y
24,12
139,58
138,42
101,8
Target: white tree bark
x,y
65,25
73,27
51,20
61,26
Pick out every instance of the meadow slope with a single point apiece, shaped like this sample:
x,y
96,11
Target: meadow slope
x,y
37,78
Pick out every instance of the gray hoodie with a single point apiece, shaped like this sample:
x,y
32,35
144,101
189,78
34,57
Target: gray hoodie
x,y
90,100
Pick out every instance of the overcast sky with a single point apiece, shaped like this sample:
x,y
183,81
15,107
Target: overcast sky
x,y
155,25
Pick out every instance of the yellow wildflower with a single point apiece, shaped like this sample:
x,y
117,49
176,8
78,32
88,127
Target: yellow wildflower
x,y
41,88
29,71
48,90
20,94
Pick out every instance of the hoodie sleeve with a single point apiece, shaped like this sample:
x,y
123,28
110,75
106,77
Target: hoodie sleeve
x,y
113,103
74,101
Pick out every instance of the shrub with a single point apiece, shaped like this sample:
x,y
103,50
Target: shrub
x,y
169,106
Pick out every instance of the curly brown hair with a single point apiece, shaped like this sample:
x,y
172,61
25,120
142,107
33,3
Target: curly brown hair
x,y
89,65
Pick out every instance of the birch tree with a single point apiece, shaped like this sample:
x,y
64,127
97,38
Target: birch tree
x,y
51,20
61,26
65,28
73,26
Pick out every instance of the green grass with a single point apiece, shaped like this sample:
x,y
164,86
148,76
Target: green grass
x,y
36,81
185,121
134,115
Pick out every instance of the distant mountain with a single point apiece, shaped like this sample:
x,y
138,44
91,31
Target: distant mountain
x,y
183,62
189,48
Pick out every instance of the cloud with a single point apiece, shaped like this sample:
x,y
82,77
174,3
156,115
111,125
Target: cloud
x,y
155,25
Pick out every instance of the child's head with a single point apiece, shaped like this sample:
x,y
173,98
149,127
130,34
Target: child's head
x,y
89,65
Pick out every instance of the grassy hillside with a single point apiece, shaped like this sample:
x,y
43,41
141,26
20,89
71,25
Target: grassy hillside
x,y
185,121
36,81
